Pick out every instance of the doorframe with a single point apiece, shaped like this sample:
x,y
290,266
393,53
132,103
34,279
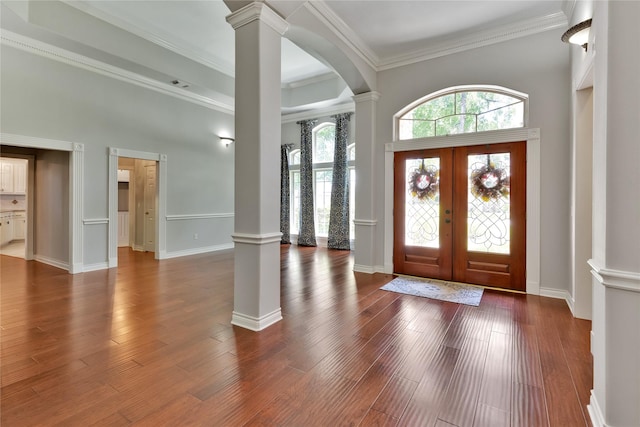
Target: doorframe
x,y
532,138
161,194
76,190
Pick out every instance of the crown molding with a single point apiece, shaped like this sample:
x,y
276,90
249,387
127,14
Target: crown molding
x,y
310,80
568,6
55,53
183,49
480,39
341,30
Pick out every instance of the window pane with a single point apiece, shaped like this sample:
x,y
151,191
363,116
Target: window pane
x,y
462,112
351,152
456,124
488,210
294,218
323,200
422,209
435,108
323,144
508,117
295,157
352,202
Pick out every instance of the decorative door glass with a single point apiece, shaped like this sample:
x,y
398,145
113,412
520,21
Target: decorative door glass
x,y
488,208
422,209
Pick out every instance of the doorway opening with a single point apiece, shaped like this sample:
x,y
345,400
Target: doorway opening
x,y
143,198
14,203
460,214
137,204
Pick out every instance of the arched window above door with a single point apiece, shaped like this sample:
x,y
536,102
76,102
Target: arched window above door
x,y
462,109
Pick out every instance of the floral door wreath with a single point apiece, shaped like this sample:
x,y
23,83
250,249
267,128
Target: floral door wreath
x,y
489,183
424,182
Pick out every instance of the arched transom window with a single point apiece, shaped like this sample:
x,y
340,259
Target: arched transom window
x,y
462,110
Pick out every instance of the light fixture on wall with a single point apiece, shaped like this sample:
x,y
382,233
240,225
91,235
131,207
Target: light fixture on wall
x,y
226,140
578,34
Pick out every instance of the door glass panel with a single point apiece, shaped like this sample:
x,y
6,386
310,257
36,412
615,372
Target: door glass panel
x,y
422,209
488,209
323,180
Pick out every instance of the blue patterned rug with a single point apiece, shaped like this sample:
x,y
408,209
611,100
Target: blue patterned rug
x,y
444,291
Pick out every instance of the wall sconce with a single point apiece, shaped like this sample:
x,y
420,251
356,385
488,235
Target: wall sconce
x,y
226,140
578,34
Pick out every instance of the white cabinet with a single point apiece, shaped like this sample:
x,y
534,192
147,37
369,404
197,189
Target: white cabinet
x,y
20,177
13,176
12,226
6,176
19,225
6,227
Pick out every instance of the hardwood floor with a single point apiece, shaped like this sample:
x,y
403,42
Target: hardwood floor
x,y
150,344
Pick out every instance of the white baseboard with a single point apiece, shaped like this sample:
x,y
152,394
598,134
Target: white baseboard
x,y
53,262
197,251
555,293
359,268
594,412
75,268
255,323
369,269
96,266
559,294
571,302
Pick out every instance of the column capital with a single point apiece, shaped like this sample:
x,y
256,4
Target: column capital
x,y
367,96
258,11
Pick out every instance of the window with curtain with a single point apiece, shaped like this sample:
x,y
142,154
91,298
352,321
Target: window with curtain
x,y
323,146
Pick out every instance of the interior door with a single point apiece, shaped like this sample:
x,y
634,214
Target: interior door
x,y
460,213
150,208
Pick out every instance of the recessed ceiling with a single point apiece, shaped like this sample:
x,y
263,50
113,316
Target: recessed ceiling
x,y
199,30
390,28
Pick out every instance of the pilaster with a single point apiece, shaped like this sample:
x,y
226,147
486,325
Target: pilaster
x,y
366,223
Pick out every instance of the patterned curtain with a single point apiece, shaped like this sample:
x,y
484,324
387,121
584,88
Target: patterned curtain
x,y
284,193
339,214
307,233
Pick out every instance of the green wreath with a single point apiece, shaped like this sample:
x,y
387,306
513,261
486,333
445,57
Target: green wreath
x,y
424,182
489,183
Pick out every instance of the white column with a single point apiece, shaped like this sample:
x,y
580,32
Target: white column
x,y
257,166
615,399
365,220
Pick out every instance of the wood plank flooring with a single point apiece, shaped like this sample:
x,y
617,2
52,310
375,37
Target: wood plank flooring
x,y
150,344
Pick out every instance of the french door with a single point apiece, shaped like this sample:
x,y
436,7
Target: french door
x,y
459,214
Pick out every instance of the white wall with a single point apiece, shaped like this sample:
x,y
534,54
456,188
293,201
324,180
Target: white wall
x,y
49,99
537,65
51,221
615,263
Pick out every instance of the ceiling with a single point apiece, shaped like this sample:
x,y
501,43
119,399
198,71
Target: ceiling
x,y
385,33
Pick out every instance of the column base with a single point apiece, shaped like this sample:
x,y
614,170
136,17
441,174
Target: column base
x,y
254,323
